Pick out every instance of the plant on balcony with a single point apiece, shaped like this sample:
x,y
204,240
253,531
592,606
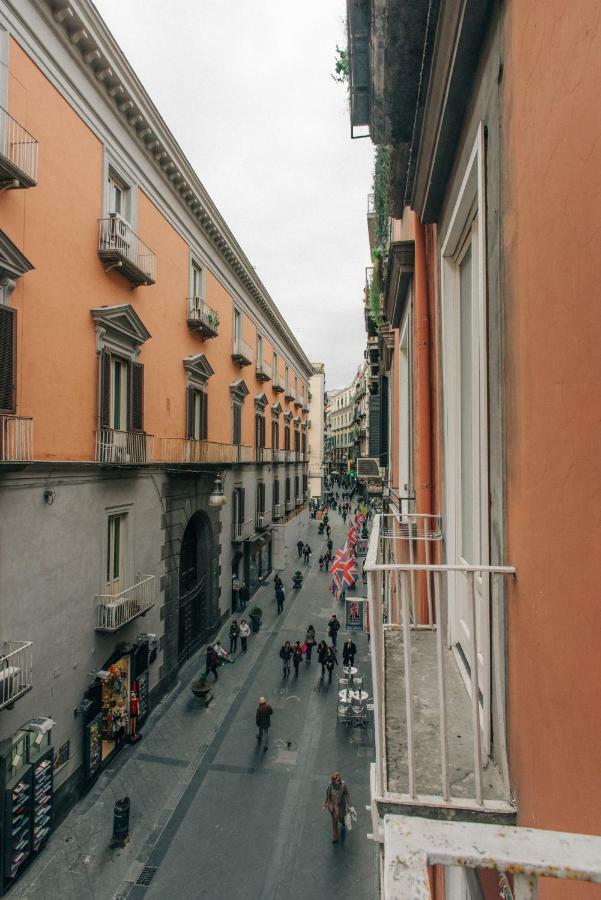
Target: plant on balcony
x,y
341,66
381,188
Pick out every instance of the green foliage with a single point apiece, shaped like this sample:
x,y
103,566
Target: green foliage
x,y
381,189
256,612
375,299
341,66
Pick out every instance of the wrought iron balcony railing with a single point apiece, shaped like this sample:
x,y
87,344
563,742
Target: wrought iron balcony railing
x,y
202,319
187,451
242,352
16,662
278,510
121,249
263,519
241,531
16,439
18,154
123,447
113,611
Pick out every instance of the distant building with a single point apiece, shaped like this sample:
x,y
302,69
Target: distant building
x,y
317,430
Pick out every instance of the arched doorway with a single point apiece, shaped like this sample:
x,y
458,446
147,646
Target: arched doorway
x,y
196,586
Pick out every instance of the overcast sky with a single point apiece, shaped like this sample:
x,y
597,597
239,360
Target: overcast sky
x,y
245,87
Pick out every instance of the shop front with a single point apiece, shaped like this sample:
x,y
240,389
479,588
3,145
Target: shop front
x,y
116,705
259,562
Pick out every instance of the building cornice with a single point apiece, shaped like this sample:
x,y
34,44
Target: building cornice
x,y
83,31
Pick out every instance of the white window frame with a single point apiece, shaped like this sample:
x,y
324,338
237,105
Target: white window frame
x,y
405,386
116,170
196,299
125,511
237,332
467,227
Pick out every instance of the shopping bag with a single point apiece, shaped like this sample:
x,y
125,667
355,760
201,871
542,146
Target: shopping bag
x,y
348,821
353,813
304,648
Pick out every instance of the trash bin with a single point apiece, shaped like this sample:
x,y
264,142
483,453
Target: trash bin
x,y
121,820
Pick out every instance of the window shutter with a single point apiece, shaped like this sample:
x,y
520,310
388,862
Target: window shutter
x,y
237,423
204,421
242,492
8,347
190,413
105,389
136,397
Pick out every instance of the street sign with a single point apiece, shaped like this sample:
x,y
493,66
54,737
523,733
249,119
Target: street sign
x,y
354,613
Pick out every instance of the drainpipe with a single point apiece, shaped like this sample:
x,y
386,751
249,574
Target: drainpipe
x,y
423,448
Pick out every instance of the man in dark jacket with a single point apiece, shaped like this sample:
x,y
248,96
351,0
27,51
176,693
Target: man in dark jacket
x,y
348,653
212,662
263,719
299,547
280,596
333,629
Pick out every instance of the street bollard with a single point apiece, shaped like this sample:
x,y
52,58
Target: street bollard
x,y
121,821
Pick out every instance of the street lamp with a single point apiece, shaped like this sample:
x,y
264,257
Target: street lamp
x,y
217,498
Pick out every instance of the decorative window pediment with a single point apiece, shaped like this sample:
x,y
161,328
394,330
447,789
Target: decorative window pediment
x,y
239,390
12,265
297,420
119,329
260,402
198,370
287,417
276,410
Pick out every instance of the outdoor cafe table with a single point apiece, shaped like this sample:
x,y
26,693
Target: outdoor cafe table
x,y
347,696
349,670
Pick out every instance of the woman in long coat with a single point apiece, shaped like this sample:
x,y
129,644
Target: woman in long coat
x,y
337,802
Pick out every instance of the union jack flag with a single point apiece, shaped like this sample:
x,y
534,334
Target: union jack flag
x,y
344,568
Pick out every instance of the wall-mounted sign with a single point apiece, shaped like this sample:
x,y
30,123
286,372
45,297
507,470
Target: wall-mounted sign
x,y
354,611
61,756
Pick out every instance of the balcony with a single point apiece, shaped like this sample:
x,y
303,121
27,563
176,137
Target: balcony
x,y
15,671
241,531
123,447
263,519
276,383
113,611
297,402
277,455
288,395
263,371
289,506
437,746
264,454
18,154
278,510
16,439
121,249
242,352
190,452
202,319
298,501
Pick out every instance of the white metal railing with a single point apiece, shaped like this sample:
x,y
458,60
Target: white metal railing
x,y
117,241
241,530
412,843
18,147
202,314
242,350
277,455
278,510
122,447
371,205
16,663
289,505
16,439
414,667
298,501
185,450
113,611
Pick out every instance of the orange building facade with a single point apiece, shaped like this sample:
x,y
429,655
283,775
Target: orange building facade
x,y
482,583
140,359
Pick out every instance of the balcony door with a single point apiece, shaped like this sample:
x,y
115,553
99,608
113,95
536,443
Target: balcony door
x,y
115,554
466,430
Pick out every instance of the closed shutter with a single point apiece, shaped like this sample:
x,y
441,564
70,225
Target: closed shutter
x,y
242,492
136,397
8,346
204,416
190,429
105,389
276,492
237,423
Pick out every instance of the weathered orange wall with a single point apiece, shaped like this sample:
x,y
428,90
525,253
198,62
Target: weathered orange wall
x,y
552,134
55,224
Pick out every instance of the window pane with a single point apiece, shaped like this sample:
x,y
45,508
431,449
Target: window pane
x,y
466,395
116,546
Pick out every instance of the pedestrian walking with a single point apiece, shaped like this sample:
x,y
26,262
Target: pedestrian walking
x,y
299,547
244,634
263,720
344,515
330,546
321,562
212,663
328,531
280,596
322,654
349,652
243,595
278,581
286,656
331,661
310,642
333,629
234,635
297,657
337,802
307,553
222,653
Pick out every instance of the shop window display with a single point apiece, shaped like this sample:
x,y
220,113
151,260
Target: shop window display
x,y
115,706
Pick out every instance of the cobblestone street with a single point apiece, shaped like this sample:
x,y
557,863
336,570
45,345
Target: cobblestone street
x,y
212,814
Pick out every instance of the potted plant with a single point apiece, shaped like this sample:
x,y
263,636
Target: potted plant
x,y
297,580
201,688
255,618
